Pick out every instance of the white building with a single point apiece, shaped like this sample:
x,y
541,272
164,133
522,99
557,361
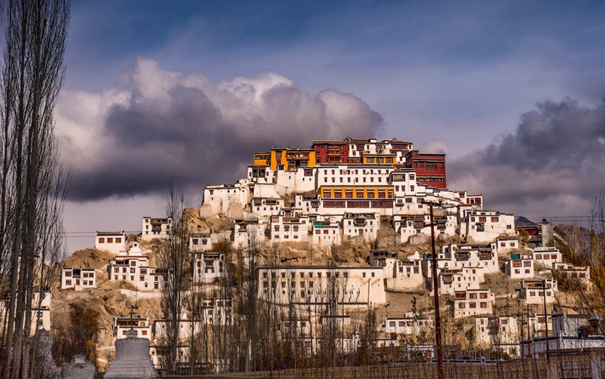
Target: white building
x,y
500,333
409,225
364,225
520,267
248,234
408,325
200,242
547,256
532,291
487,226
456,280
473,302
326,233
78,278
156,228
226,199
114,242
567,272
350,286
400,274
134,267
121,325
504,245
208,267
538,324
301,180
290,225
40,317
266,206
473,261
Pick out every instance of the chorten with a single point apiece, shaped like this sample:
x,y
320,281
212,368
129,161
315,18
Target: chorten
x,y
132,359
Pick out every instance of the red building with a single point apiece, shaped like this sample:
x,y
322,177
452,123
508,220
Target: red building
x,y
430,168
331,151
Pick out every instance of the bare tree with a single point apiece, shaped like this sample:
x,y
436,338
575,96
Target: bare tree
x,y
32,190
174,260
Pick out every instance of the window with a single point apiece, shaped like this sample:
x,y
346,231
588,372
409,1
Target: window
x,y
101,240
110,240
118,240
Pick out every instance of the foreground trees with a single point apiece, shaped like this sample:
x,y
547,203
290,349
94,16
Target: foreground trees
x,y
32,188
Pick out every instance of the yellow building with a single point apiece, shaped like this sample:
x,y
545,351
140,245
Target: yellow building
x,y
286,159
380,159
356,192
262,159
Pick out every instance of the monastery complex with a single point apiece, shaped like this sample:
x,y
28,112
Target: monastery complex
x,y
297,209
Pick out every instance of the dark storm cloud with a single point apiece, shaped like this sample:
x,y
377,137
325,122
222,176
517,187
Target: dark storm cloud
x,y
171,125
554,163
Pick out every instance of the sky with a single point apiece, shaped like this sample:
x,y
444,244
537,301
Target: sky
x,y
186,91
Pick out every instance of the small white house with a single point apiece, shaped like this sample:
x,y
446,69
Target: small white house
x,y
547,256
473,302
538,324
496,330
248,234
520,267
566,271
208,267
504,245
363,225
486,226
456,280
326,233
114,242
121,325
408,325
290,226
134,267
78,278
156,228
534,291
200,242
40,318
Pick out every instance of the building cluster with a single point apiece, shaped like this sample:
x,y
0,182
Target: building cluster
x,y
339,191
347,191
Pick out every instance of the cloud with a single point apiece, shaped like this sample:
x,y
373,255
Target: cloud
x,y
553,164
159,124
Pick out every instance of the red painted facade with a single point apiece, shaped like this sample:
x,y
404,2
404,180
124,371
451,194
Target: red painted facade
x,y
430,168
331,151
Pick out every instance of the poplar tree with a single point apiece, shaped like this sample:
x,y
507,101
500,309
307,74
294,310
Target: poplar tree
x,y
32,188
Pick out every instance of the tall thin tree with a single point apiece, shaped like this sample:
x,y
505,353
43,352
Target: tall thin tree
x,y
32,190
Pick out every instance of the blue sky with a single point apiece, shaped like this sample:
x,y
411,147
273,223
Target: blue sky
x,y
453,76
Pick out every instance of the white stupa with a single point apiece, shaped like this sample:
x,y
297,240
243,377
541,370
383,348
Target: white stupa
x,y
132,359
78,369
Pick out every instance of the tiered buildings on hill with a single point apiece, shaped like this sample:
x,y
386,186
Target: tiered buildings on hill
x,y
338,191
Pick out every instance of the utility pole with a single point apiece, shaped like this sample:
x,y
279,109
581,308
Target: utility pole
x,y
440,371
528,333
522,337
546,324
